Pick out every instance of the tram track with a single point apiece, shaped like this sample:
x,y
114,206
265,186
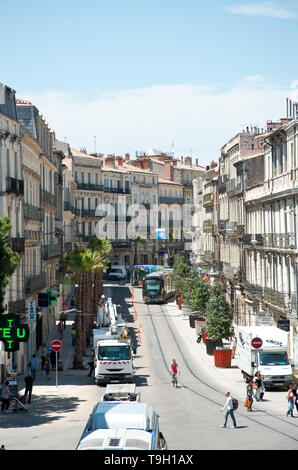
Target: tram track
x,y
150,315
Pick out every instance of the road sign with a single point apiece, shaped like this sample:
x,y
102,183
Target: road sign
x,y
56,345
256,343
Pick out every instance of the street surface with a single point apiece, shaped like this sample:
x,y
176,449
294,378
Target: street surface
x,y
190,416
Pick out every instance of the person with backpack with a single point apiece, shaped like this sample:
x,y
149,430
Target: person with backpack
x,y
229,407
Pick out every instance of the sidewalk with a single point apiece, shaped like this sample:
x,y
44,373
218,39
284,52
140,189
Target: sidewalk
x,y
229,379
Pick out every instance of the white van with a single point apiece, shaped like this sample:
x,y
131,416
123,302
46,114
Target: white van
x,y
122,426
117,272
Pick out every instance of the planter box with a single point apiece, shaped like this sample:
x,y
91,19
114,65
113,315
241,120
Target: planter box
x,y
222,357
211,345
192,318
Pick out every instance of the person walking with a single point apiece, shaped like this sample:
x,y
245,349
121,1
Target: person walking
x,y
229,407
290,398
91,365
258,385
47,369
73,334
60,328
28,386
32,365
5,397
233,345
174,372
53,359
295,392
249,395
43,355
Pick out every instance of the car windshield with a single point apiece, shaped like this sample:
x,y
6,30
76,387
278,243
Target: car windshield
x,y
274,359
114,353
116,270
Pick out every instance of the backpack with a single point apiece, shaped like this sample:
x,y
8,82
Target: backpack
x,y
235,403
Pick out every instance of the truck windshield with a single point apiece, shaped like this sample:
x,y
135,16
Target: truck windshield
x,y
114,353
274,359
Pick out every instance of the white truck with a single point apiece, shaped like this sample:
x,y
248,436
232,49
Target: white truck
x,y
264,349
120,422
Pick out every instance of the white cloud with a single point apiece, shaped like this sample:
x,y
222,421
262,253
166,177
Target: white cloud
x,y
269,9
199,118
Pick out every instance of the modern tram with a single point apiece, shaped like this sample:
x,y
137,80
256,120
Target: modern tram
x,y
140,271
157,286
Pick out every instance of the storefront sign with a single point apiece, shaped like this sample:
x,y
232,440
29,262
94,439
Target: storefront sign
x,y
12,332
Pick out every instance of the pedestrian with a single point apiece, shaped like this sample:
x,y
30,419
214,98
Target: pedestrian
x,y
73,334
233,345
53,359
5,396
91,365
60,328
32,365
43,355
47,369
258,385
28,386
229,407
295,392
249,395
290,398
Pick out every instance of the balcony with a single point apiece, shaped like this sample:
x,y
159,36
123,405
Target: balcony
x,y
256,239
170,200
117,190
51,251
208,200
253,290
275,298
48,198
207,225
35,283
18,245
234,186
14,186
221,183
285,241
124,245
90,187
33,212
221,225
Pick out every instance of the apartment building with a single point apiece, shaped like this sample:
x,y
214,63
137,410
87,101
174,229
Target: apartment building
x,y
11,205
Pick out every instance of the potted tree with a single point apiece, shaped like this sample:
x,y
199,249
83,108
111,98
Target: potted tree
x,y
218,326
196,297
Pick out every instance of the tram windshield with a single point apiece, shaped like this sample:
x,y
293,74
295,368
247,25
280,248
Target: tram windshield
x,y
152,285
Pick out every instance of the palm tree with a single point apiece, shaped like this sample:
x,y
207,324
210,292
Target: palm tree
x,y
136,241
84,263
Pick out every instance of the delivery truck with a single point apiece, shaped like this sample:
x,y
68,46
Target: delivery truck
x,y
264,349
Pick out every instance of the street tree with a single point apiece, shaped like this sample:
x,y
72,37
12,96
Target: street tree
x,y
218,315
9,259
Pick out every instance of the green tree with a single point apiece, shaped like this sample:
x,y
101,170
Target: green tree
x,y
198,295
9,259
218,315
180,272
136,241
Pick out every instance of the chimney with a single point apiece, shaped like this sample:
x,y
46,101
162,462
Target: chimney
x,y
110,160
213,164
139,163
162,157
181,159
188,161
127,157
119,160
167,171
197,162
145,164
175,162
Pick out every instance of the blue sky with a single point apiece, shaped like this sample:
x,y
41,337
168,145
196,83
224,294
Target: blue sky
x,y
139,74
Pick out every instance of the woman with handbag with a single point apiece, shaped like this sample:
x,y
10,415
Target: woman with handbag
x,y
249,396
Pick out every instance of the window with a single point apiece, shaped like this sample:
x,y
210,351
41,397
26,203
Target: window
x,y
82,177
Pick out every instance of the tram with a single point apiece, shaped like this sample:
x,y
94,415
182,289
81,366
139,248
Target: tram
x,y
140,271
157,286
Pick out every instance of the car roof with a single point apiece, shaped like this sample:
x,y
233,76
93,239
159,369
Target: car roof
x,y
129,415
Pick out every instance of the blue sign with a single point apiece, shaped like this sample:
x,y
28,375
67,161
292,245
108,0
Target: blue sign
x,y
161,234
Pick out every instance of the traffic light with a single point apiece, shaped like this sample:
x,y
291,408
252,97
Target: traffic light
x,y
43,300
46,299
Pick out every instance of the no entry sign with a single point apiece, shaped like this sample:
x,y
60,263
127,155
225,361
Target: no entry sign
x,y
256,343
56,345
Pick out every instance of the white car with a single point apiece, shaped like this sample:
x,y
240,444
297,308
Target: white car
x,y
117,272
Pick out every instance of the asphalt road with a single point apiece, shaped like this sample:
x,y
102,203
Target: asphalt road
x,y
190,416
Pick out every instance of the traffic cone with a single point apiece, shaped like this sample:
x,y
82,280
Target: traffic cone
x,y
139,339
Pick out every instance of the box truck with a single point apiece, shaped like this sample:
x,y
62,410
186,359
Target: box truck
x,y
264,349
